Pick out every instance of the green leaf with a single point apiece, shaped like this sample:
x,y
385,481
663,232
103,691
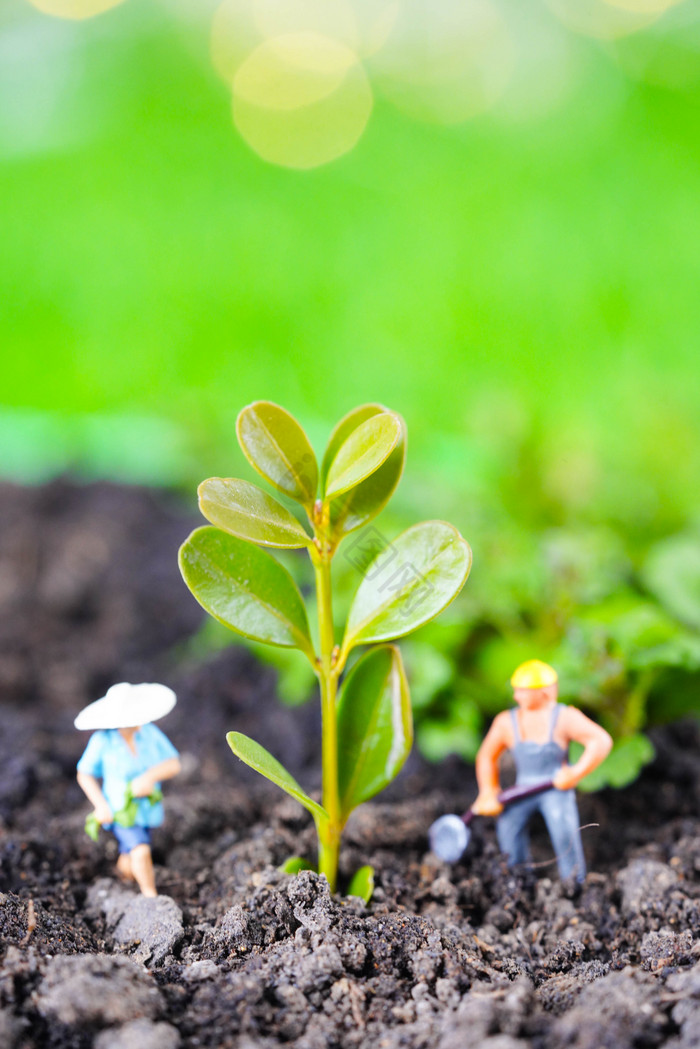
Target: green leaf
x,y
341,433
363,452
643,633
429,670
295,864
126,816
360,504
128,813
362,883
296,679
276,446
245,588
263,762
675,698
672,574
92,826
409,582
458,731
622,765
683,650
241,508
374,724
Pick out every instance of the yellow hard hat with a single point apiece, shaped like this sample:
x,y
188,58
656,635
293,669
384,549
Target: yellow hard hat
x,y
534,674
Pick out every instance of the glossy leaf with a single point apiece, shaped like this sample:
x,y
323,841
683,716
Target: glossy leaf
x,y
276,446
342,431
408,583
241,508
263,762
245,588
363,452
375,726
362,883
295,864
359,505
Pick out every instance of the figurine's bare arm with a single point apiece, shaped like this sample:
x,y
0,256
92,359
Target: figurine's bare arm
x,y
91,787
596,746
144,784
496,740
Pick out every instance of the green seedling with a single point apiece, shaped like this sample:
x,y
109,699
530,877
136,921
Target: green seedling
x,y
126,816
367,727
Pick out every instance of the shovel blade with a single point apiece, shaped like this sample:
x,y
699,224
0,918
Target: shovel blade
x,y
448,838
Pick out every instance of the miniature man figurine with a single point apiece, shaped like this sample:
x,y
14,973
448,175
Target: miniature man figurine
x,y
538,732
131,756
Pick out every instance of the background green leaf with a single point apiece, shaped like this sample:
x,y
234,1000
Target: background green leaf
x,y
243,509
245,588
263,762
622,765
672,574
363,452
409,582
458,730
428,669
277,447
374,724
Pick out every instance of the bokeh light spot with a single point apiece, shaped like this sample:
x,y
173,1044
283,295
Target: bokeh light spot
x,y
333,19
74,8
544,68
240,26
668,55
447,60
234,34
301,100
602,19
292,71
644,7
375,21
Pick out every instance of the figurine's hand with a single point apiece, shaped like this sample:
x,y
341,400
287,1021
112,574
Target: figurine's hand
x,y
103,813
142,786
565,778
487,804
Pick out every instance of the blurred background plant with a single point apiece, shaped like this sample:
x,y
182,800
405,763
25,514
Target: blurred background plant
x,y
482,213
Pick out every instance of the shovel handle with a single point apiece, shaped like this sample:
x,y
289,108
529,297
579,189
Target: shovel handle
x,y
511,794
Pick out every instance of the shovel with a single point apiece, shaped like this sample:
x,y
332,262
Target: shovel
x,y
449,835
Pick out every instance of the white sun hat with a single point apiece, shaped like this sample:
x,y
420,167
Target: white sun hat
x,y
127,706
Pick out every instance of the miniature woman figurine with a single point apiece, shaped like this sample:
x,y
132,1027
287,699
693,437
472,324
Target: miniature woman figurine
x,y
131,756
538,732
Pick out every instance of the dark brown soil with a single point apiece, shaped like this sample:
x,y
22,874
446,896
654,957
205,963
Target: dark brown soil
x,y
236,954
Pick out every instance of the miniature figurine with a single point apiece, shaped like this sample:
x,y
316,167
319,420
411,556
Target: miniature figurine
x,y
538,732
131,756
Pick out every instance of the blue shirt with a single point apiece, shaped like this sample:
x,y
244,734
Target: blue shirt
x,y
109,758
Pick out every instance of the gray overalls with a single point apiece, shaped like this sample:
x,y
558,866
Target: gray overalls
x,y
535,762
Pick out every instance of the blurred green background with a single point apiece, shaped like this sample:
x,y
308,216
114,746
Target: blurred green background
x,y
521,285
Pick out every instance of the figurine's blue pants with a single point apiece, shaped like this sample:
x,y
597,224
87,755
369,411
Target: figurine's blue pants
x,y
560,812
129,837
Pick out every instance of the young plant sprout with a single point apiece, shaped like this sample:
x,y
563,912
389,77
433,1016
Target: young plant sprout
x,y
367,727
